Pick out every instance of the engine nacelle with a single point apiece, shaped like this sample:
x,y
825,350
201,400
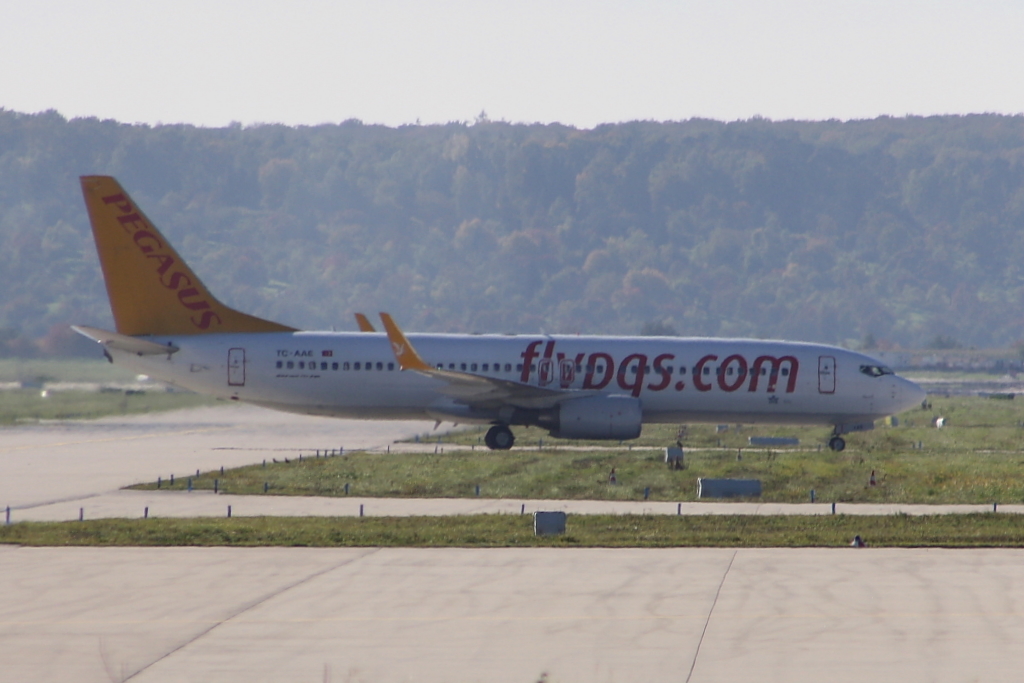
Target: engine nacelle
x,y
599,417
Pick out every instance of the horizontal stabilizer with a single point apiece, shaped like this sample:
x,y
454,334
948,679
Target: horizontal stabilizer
x,y
122,342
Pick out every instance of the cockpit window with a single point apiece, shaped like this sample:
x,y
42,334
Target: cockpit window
x,y
876,370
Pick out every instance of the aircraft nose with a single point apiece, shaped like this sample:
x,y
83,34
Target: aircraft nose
x,y
911,394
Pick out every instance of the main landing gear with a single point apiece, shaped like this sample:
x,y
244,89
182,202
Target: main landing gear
x,y
837,443
499,438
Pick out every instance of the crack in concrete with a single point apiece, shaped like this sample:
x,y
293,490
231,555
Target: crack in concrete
x,y
711,611
250,606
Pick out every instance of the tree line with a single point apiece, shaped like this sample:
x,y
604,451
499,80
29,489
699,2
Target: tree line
x,y
891,232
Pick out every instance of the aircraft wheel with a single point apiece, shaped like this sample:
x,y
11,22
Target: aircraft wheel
x,y
499,438
837,443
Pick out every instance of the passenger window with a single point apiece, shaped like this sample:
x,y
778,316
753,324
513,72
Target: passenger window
x,y
451,366
279,364
707,370
291,365
590,368
682,369
473,367
369,366
600,368
323,366
519,367
484,367
344,366
729,371
391,366
380,366
633,369
508,367
785,372
302,365
462,366
356,366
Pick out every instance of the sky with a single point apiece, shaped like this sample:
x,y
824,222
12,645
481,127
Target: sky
x,y
580,63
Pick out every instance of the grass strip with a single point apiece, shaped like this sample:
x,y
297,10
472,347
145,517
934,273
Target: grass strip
x,y
977,459
984,530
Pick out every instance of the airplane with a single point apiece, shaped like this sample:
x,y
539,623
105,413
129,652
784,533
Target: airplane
x,y
170,327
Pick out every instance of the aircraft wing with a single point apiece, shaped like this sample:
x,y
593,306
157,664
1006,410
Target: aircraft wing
x,y
474,390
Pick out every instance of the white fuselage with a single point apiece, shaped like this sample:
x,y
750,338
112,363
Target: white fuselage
x,y
677,379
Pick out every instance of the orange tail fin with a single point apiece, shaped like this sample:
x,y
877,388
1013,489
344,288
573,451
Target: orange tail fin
x,y
151,289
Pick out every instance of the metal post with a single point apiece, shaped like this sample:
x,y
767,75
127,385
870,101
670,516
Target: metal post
x,y
190,483
647,492
360,509
478,489
145,513
346,488
812,495
679,508
833,508
159,481
81,514
266,485
216,485
8,519
229,512
522,510
172,480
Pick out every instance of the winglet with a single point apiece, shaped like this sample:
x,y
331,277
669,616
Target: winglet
x,y
364,324
404,352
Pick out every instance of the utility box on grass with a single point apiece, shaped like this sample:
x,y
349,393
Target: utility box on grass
x,y
728,488
548,523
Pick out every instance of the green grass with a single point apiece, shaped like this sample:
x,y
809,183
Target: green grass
x,y
979,458
28,405
949,531
62,370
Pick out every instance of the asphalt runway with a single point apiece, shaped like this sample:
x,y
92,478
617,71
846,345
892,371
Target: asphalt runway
x,y
392,614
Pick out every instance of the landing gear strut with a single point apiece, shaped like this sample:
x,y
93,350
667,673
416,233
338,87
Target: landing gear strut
x,y
837,443
499,438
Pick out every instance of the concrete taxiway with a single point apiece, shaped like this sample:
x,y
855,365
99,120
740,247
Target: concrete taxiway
x,y
297,614
377,615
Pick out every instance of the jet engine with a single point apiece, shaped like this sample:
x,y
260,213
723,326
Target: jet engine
x,y
599,417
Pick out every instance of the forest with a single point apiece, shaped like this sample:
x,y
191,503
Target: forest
x,y
886,233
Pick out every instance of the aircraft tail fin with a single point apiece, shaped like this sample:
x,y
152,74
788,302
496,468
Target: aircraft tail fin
x,y
152,291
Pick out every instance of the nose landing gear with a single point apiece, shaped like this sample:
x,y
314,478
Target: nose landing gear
x,y
499,438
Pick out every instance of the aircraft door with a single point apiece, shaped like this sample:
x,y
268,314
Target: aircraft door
x,y
566,372
545,371
236,367
826,375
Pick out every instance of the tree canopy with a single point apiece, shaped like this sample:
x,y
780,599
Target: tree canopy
x,y
898,230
